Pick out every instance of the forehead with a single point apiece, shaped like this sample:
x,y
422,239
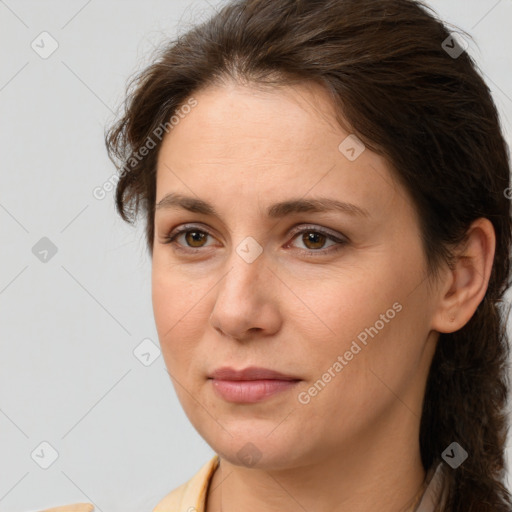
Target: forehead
x,y
244,142
240,118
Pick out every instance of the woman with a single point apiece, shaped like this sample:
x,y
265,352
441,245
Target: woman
x,y
325,190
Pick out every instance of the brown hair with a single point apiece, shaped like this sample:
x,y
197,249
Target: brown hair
x,y
387,66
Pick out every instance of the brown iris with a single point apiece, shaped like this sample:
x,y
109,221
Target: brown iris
x,y
195,236
315,238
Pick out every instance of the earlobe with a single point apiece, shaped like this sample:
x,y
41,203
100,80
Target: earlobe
x,y
468,280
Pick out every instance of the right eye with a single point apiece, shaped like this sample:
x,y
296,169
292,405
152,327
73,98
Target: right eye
x,y
192,236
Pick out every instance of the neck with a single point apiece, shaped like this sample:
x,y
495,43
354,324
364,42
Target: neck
x,y
384,471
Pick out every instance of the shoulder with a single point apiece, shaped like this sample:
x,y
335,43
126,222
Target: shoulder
x,y
190,496
75,507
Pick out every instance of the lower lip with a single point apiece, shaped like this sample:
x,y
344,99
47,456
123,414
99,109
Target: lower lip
x,y
250,391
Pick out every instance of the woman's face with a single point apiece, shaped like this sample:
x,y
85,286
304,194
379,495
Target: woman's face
x,y
302,256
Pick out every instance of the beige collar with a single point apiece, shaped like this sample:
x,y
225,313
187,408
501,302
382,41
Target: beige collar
x,y
191,496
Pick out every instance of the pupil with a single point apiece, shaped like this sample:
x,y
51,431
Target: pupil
x,y
314,238
194,235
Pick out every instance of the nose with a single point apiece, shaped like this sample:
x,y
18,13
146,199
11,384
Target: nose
x,y
247,300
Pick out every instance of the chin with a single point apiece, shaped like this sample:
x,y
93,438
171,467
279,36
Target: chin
x,y
255,448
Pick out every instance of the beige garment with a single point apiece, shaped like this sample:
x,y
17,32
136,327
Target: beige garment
x,y
76,507
191,496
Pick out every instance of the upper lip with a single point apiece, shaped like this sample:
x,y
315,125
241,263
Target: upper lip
x,y
249,373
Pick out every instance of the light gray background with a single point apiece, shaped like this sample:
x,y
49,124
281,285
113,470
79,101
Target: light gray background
x,y
70,325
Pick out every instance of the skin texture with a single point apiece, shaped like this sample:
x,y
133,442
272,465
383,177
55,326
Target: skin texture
x,y
355,443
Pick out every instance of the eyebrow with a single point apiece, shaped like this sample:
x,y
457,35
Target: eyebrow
x,y
277,210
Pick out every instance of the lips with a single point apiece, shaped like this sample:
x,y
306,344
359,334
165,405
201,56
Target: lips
x,y
251,384
250,373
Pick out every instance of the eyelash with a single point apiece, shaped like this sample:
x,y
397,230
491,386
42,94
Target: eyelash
x,y
170,239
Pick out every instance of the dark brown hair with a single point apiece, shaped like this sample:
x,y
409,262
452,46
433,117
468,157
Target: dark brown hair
x,y
388,68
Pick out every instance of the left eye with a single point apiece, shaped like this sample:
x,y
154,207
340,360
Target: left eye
x,y
314,240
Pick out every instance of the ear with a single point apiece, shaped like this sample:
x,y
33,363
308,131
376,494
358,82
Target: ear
x,y
466,284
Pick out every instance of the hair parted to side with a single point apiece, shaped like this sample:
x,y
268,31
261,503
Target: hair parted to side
x,y
429,114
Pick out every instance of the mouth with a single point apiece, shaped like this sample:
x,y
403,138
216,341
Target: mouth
x,y
250,385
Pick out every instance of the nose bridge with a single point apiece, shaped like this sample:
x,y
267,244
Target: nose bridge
x,y
241,304
246,264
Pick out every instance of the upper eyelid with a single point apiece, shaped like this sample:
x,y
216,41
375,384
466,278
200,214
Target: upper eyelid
x,y
311,227
293,232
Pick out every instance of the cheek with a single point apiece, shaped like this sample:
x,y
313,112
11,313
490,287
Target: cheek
x,y
163,297
170,313
173,298
178,327
365,320
337,309
181,315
